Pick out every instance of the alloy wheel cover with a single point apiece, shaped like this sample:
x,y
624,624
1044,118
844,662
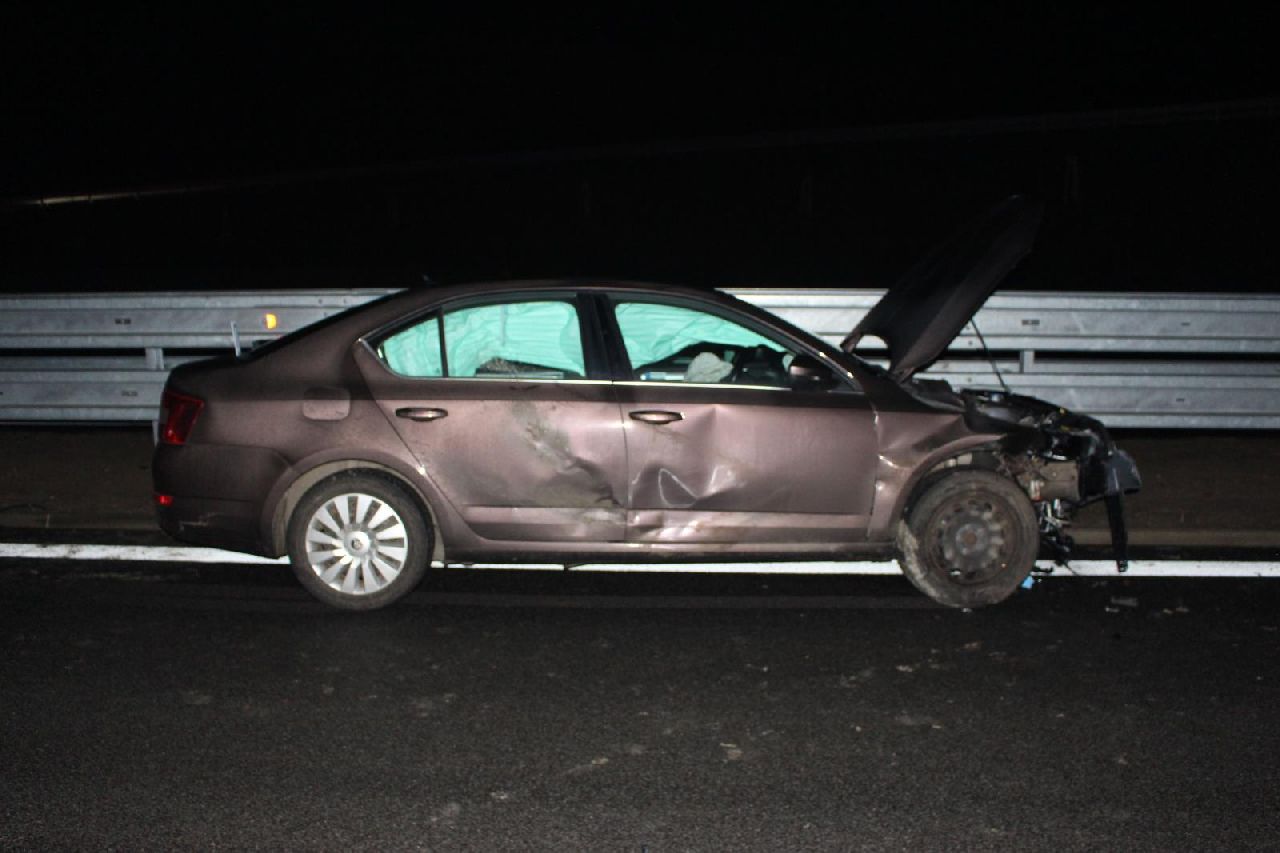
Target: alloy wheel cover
x,y
357,544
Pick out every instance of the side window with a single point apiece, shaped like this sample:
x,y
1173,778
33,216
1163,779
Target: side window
x,y
668,343
415,351
530,340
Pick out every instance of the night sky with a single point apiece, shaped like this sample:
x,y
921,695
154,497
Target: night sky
x,y
356,145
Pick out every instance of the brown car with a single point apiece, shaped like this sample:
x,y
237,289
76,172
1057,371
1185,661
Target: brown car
x,y
576,422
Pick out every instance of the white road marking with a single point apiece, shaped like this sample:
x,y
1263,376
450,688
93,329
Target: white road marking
x,y
1079,568
132,553
1168,569
864,567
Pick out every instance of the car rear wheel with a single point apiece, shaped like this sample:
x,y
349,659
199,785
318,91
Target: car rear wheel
x,y
969,540
358,541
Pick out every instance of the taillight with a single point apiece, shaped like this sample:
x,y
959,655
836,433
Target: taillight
x,y
177,416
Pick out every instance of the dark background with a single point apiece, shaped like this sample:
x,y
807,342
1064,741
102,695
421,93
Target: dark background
x,y
302,147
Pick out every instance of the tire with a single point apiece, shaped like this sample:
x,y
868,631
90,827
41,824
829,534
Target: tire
x,y
970,539
358,541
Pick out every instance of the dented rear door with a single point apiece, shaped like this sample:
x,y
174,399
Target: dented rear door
x,y
520,461
497,401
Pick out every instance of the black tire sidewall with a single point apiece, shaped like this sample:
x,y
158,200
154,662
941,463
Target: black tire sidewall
x,y
418,527
934,581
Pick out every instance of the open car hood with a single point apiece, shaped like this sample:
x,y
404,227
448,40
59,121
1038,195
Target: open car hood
x,y
922,313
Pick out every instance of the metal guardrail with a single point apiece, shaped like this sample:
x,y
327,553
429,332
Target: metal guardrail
x,y
158,321
1169,361
1135,360
126,343
1074,322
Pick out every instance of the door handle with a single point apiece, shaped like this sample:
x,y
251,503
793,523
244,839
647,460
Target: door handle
x,y
654,416
419,414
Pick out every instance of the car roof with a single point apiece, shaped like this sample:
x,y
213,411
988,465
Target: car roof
x,y
439,293
417,298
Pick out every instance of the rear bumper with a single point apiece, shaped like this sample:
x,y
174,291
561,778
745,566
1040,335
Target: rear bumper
x,y
218,493
231,525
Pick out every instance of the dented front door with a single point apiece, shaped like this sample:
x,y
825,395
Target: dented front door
x,y
720,448
737,465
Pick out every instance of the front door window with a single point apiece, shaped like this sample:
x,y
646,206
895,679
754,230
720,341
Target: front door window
x,y
670,343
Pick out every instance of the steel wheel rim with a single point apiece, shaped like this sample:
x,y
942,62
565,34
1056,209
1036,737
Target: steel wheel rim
x,y
357,544
972,540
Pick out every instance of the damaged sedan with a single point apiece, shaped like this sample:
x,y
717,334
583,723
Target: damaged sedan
x,y
575,422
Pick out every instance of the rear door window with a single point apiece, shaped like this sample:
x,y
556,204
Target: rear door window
x,y
540,339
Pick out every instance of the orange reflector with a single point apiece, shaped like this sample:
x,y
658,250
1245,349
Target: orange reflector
x,y
270,320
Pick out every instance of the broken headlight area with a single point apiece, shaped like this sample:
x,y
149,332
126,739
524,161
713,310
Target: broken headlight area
x,y
1062,460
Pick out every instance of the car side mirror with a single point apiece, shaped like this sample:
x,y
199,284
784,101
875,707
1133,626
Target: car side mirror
x,y
806,373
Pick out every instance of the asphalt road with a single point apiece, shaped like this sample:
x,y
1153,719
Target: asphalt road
x,y
165,707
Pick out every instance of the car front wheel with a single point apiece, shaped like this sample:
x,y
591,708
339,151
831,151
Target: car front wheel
x,y
969,540
358,541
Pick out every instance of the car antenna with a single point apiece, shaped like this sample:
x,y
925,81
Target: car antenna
x,y
990,358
